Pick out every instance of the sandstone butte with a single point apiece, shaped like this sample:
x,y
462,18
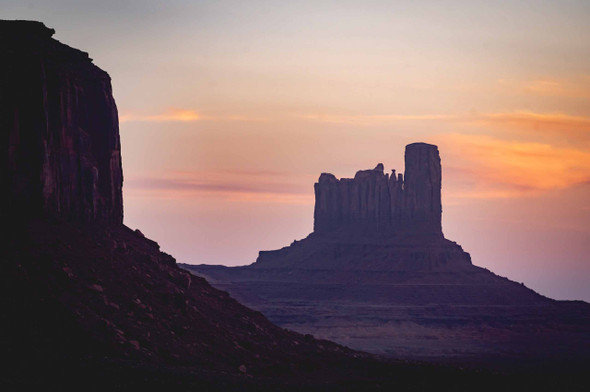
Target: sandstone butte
x,y
378,275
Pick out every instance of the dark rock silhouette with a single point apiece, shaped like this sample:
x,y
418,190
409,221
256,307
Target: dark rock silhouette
x,y
87,302
374,222
60,141
68,250
373,203
378,275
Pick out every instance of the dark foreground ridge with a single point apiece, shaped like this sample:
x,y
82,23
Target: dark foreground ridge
x,y
378,275
90,304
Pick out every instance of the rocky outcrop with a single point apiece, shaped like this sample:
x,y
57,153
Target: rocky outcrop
x,y
60,133
421,195
374,203
378,275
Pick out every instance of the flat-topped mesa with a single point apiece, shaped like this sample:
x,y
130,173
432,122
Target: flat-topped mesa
x,y
60,148
375,203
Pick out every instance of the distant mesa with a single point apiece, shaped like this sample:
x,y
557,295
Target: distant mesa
x,y
377,274
375,221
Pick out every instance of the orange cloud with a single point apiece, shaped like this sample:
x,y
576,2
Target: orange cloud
x,y
170,115
483,166
375,119
184,115
525,120
575,87
566,127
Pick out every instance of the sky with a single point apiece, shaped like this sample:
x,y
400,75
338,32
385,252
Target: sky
x,y
230,110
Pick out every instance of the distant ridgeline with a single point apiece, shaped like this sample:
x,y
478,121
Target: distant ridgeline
x,y
373,202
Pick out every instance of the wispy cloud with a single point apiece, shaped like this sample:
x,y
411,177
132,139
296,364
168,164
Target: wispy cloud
x,y
563,125
375,119
526,120
484,166
238,185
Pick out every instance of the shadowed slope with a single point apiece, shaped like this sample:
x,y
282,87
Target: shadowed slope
x,y
78,284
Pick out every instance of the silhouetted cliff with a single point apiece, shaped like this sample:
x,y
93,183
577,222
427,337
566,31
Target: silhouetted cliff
x,y
374,203
81,289
60,134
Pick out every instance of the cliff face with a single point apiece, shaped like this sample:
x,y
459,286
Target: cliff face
x,y
60,132
80,286
377,203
